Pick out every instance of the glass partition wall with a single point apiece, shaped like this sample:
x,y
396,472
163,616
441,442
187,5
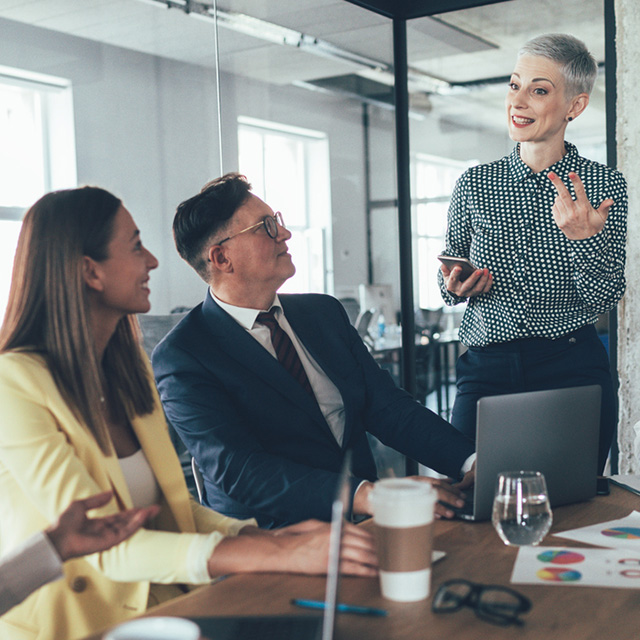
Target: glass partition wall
x,y
153,98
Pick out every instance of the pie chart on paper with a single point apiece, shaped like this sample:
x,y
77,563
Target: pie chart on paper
x,y
626,533
558,574
560,557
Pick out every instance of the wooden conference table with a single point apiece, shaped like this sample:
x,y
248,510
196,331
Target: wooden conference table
x,y
474,552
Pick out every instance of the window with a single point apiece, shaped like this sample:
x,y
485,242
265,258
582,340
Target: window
x,y
36,125
434,181
289,169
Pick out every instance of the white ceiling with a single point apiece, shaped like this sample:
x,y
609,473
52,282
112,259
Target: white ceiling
x,y
451,48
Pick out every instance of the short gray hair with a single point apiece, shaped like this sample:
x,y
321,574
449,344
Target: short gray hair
x,y
578,66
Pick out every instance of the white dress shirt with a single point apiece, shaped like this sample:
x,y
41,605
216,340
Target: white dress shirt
x,y
326,393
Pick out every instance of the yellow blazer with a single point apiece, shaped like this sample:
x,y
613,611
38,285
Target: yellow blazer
x,y
48,458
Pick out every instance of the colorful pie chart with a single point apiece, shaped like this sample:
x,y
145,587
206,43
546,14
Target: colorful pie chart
x,y
560,557
627,533
558,574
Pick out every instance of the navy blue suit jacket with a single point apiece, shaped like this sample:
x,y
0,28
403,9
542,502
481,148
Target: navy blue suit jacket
x,y
264,447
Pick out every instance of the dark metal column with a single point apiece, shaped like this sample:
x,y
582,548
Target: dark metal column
x,y
610,69
367,188
404,213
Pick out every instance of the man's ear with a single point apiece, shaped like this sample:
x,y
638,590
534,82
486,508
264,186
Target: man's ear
x,y
219,259
91,274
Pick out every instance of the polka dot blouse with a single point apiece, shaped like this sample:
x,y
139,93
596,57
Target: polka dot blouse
x,y
545,285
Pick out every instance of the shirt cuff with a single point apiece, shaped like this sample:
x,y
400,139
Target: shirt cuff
x,y
32,565
44,555
202,547
468,463
359,517
234,528
597,243
198,555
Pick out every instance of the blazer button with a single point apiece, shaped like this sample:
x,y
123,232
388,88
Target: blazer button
x,y
79,584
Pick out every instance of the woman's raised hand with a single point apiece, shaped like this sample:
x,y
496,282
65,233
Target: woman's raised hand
x,y
77,535
577,219
480,281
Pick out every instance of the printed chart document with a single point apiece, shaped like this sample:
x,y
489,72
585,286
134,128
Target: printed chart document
x,y
617,566
615,534
573,567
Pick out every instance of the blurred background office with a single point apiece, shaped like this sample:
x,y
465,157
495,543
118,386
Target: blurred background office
x,y
152,98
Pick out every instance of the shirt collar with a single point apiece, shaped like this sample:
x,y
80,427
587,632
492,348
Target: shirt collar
x,y
520,171
244,316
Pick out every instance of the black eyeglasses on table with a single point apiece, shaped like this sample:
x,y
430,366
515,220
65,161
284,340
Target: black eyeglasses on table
x,y
492,603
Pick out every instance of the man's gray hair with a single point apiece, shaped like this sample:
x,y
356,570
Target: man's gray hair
x,y
578,66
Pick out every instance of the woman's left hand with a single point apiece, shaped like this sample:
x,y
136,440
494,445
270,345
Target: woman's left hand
x,y
577,219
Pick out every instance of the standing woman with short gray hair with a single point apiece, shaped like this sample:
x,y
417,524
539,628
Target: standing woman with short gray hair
x,y
546,230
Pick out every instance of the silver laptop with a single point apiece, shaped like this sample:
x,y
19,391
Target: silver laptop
x,y
292,627
555,432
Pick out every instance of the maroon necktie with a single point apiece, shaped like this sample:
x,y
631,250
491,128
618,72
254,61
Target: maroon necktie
x,y
285,351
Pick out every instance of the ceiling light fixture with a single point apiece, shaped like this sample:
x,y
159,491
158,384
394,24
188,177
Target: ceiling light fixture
x,y
276,34
269,32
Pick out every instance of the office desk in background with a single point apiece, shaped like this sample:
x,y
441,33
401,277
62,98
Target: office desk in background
x,y
474,552
435,366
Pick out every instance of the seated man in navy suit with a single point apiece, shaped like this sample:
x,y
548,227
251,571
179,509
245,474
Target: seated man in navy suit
x,y
268,404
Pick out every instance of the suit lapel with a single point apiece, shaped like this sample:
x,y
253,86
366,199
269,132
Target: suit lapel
x,y
239,345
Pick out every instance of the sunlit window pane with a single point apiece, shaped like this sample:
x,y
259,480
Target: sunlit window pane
x,y
22,177
290,172
9,232
36,125
285,179
432,219
434,182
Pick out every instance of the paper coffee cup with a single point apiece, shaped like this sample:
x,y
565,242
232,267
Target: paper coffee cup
x,y
403,519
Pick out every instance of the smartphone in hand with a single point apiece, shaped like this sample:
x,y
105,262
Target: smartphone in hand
x,y
451,261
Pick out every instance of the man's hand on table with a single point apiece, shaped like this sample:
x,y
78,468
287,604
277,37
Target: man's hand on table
x,y
449,493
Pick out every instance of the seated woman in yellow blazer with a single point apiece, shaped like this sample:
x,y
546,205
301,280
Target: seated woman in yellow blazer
x,y
80,415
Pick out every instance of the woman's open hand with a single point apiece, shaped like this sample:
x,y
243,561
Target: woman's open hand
x,y
76,535
577,219
480,281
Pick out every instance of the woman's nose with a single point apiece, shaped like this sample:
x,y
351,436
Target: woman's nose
x,y
518,99
152,261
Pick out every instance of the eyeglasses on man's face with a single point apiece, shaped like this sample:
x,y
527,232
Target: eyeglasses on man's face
x,y
270,224
492,603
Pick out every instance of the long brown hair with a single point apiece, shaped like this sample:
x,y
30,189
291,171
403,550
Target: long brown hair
x,y
48,308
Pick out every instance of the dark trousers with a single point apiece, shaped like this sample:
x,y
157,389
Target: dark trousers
x,y
535,364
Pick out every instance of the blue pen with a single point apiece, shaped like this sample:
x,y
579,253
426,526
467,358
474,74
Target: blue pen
x,y
342,608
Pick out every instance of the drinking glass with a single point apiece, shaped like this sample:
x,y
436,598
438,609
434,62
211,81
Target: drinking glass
x,y
521,511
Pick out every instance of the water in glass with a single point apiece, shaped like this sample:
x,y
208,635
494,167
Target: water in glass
x,y
521,511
